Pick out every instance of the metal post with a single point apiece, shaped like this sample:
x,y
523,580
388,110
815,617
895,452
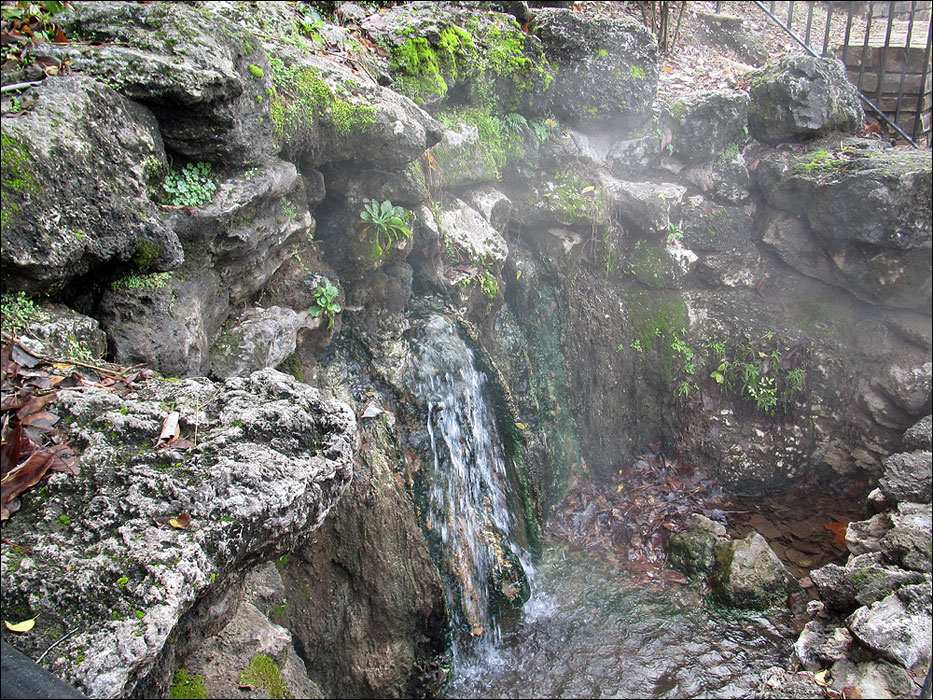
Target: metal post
x,y
918,119
861,68
900,85
884,53
790,14
809,22
845,43
829,23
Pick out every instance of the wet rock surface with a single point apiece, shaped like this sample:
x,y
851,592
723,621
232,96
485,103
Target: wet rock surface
x,y
880,599
159,538
754,311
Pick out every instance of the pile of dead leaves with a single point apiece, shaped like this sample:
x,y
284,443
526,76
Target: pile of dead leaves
x,y
631,523
26,26
34,441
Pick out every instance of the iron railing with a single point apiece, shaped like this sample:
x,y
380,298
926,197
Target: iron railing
x,y
913,30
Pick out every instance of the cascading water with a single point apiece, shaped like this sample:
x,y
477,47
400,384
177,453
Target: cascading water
x,y
466,492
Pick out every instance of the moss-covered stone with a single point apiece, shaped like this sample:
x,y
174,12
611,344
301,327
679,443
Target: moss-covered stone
x,y
186,686
264,672
485,57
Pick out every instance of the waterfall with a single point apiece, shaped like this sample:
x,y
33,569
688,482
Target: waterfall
x,y
466,492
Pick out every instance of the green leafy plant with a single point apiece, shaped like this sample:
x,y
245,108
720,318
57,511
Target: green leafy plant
x,y
18,311
324,304
388,222
488,285
192,186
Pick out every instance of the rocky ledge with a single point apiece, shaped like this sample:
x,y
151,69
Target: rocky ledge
x,y
184,488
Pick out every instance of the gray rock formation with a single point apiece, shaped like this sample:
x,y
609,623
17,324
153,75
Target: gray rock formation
x,y
748,574
159,538
607,70
205,86
81,134
706,124
797,97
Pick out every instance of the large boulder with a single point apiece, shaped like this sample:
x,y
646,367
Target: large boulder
x,y
907,477
259,338
867,212
606,68
367,578
439,51
145,550
797,97
693,551
748,574
318,101
708,125
75,170
203,76
864,579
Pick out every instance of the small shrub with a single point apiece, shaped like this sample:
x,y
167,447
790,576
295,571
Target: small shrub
x,y
192,186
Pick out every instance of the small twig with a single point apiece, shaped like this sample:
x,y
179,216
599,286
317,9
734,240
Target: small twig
x,y
13,544
19,86
63,638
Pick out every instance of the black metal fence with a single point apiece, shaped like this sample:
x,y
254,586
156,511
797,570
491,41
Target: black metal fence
x,y
885,48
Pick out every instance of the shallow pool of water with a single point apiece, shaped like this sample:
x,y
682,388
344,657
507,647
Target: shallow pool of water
x,y
594,631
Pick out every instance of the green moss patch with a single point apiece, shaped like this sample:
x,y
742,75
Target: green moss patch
x,y
264,673
185,685
302,100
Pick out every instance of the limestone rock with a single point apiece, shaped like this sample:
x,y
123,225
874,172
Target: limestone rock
x,y
908,542
864,536
907,477
693,552
708,226
726,179
797,97
920,435
493,205
706,124
260,338
321,102
203,76
738,268
647,205
607,69
271,458
873,679
57,331
367,578
629,158
222,659
748,574
467,229
907,387
460,158
438,51
868,213
233,247
864,579
819,645
899,626
75,170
